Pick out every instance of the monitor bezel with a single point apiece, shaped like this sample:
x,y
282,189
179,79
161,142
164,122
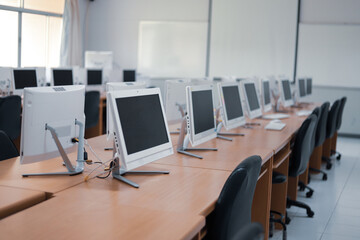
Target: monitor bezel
x,y
20,92
204,136
52,75
289,102
266,107
251,113
134,160
236,122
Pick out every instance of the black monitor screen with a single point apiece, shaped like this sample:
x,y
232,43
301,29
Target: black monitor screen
x,y
252,96
266,88
62,77
129,75
308,86
25,78
94,77
232,102
302,92
203,110
286,89
142,122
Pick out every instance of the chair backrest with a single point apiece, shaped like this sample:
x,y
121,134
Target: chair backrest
x,y
10,112
332,119
92,100
340,112
321,126
253,231
302,149
233,207
317,113
7,147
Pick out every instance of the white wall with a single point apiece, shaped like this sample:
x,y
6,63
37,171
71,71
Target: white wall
x,y
253,37
113,25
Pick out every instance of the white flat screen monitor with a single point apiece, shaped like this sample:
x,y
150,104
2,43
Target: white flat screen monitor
x,y
266,95
119,86
308,86
301,88
286,93
201,113
98,59
230,100
251,99
94,77
175,97
57,107
141,132
62,77
129,75
23,78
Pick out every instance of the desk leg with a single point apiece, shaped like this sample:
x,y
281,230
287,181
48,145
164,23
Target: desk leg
x,y
304,177
327,148
333,141
260,211
293,187
315,159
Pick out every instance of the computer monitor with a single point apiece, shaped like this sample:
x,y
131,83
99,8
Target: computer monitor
x,y
251,99
62,76
175,99
301,88
119,86
94,77
285,93
6,76
46,109
99,59
23,78
141,130
201,113
231,107
308,86
266,95
129,75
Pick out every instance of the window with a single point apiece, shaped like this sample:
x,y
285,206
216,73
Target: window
x,y
32,33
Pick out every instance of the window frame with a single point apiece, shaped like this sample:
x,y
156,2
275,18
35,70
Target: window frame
x,y
20,10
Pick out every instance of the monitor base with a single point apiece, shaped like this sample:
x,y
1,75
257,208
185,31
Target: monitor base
x,y
120,177
53,174
185,151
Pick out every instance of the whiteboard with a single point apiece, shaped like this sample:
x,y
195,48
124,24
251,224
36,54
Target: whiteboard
x,y
172,49
330,54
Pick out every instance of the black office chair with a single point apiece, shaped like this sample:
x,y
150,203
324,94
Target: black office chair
x,y
330,131
338,125
10,116
252,231
92,100
300,157
320,135
7,147
233,207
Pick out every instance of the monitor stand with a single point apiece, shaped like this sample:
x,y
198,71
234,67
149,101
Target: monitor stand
x,y
79,168
219,124
118,172
183,143
182,112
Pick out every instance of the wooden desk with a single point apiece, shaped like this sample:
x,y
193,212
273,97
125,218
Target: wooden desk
x,y
11,175
13,200
86,218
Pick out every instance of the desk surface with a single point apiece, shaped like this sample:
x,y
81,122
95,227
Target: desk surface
x,y
13,200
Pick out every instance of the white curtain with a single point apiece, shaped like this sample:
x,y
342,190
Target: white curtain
x,y
71,42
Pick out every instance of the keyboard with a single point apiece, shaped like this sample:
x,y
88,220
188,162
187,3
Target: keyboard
x,y
276,116
303,113
275,125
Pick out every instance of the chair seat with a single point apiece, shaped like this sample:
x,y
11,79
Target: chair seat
x,y
278,178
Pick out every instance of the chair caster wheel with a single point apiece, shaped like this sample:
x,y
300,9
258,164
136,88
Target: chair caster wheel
x,y
309,194
338,157
287,220
324,178
310,213
328,166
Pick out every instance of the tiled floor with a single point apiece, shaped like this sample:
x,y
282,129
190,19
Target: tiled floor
x,y
336,202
